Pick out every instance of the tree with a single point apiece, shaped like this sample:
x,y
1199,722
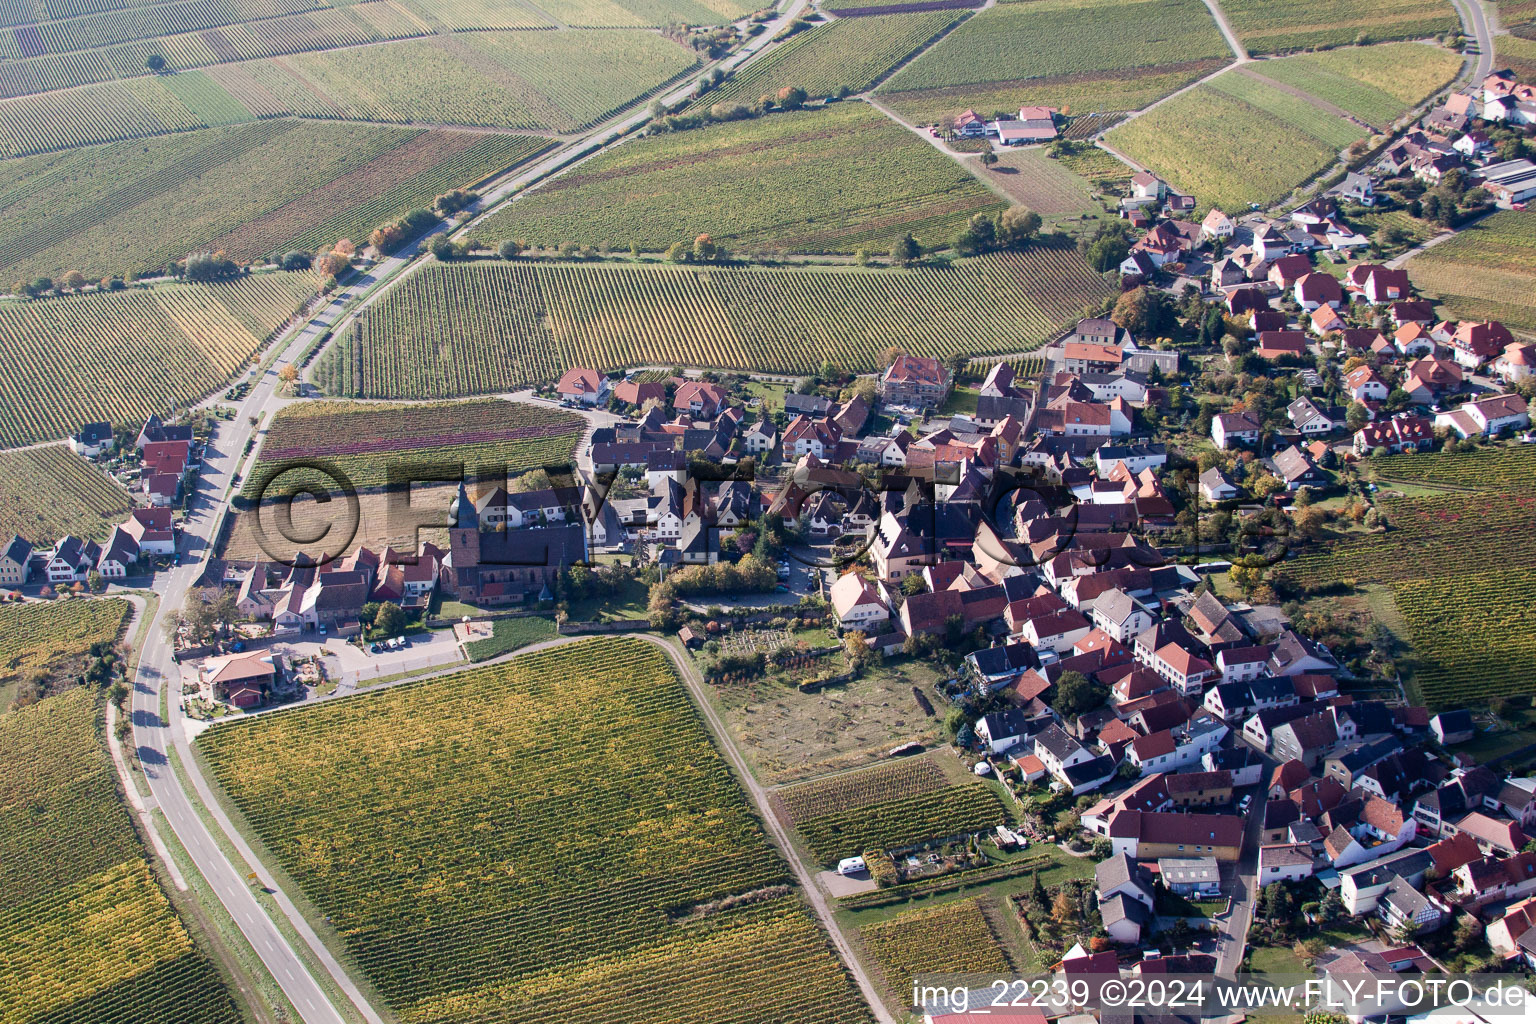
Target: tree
x,y
1107,249
790,97
441,247
1357,416
914,584
1064,910
1332,906
1076,694
906,251
857,650
509,250
1143,311
678,252
988,158
74,280
390,619
704,248
297,260
94,580
155,63
1017,226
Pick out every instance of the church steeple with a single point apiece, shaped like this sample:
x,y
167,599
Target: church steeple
x,y
466,516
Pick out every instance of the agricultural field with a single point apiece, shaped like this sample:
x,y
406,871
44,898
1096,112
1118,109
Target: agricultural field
x,y
1377,84
48,492
1501,468
364,441
1471,632
455,330
509,882
813,181
1087,93
1099,168
252,537
482,79
635,13
1279,26
840,57
789,735
52,637
887,806
1486,272
951,938
1518,53
248,190
87,936
1045,185
120,356
1105,55
1229,152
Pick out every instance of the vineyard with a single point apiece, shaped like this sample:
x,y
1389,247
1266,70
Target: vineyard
x,y
455,330
1377,84
815,181
478,79
247,190
86,935
850,790
1053,38
1511,468
365,441
454,834
1265,26
48,492
950,938
120,356
1471,632
49,635
901,820
1486,272
1047,186
1228,152
1087,92
839,57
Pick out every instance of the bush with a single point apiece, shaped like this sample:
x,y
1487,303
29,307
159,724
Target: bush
x,y
297,260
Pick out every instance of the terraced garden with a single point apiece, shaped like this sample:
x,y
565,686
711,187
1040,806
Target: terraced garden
x,y
120,356
48,492
812,181
459,329
248,190
1106,55
364,441
509,882
1279,26
1377,84
1486,272
1234,141
840,57
86,935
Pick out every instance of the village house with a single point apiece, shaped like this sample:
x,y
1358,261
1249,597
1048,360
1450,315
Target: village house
x,y
584,386
15,561
1230,429
1486,417
93,439
915,381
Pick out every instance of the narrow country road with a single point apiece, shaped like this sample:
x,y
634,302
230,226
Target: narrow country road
x,y
1476,25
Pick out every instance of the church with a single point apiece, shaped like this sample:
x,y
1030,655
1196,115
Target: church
x,y
500,566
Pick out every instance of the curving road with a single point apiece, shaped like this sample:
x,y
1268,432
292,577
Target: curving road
x,y
1476,25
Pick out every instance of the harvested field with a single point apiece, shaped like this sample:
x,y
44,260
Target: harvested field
x,y
338,531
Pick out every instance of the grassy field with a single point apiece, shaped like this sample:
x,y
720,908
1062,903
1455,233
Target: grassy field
x,y
1229,152
508,635
840,57
89,937
491,438
1377,84
123,355
484,327
48,492
813,181
509,882
249,190
1278,26
1055,38
789,735
1487,272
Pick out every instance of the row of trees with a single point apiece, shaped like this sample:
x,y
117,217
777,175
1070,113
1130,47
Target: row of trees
x,y
1014,228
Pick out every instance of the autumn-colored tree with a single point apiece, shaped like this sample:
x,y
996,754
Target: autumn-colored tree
x,y
288,373
345,247
1064,910
704,248
74,280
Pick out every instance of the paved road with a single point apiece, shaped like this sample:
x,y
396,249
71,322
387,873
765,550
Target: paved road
x,y
1232,936
1475,24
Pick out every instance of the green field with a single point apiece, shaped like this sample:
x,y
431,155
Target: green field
x,y
1064,37
48,492
1377,84
123,355
1050,187
511,634
1487,272
1471,633
364,442
840,57
490,326
250,190
1507,468
949,938
905,820
477,14
451,834
1278,26
87,935
540,81
812,181
1229,152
